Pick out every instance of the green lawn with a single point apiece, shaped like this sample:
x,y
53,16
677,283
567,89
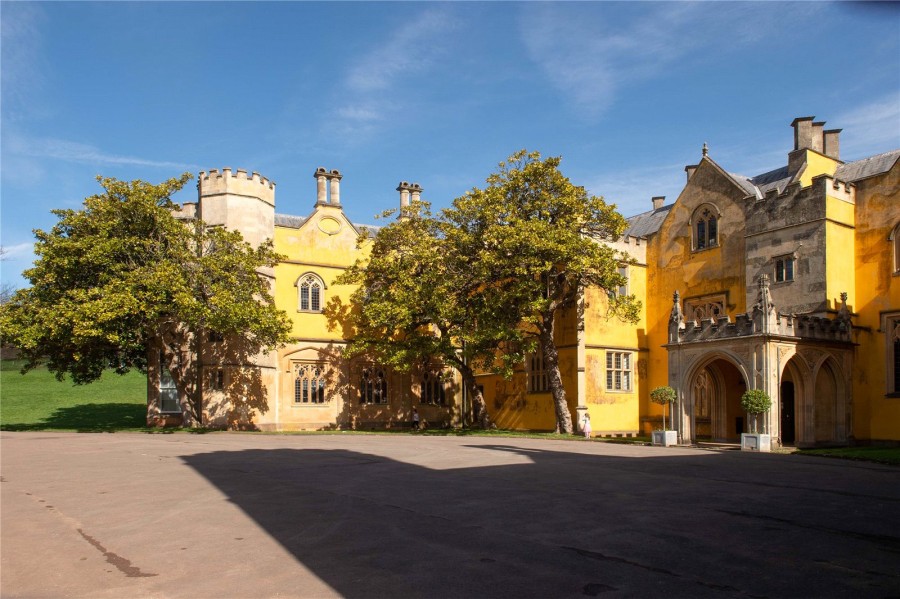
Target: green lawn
x,y
37,401
882,455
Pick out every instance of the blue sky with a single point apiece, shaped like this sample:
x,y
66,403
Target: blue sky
x,y
429,92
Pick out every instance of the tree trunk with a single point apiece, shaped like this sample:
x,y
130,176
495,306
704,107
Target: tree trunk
x,y
479,407
551,366
181,360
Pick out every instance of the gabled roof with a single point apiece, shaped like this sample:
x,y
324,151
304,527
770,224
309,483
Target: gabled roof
x,y
759,185
646,223
292,222
295,222
867,167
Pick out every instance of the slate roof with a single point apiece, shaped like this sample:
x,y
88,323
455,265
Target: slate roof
x,y
646,223
295,222
286,220
867,167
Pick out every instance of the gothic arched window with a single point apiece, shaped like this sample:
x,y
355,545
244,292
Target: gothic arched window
x,y
373,385
311,291
894,238
705,228
433,390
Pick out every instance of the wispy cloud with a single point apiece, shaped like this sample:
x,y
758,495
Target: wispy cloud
x,y
374,87
22,75
589,53
870,128
631,189
71,151
18,251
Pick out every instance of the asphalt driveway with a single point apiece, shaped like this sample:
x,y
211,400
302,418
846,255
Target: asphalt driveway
x,y
247,515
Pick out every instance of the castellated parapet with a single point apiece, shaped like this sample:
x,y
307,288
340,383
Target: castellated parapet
x,y
236,183
635,247
238,201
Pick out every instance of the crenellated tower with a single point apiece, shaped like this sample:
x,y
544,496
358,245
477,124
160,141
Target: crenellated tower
x,y
238,202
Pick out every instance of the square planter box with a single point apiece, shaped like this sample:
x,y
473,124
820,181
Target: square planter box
x,y
664,438
756,442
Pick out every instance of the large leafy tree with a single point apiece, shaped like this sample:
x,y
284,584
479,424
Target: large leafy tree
x,y
536,240
124,277
418,303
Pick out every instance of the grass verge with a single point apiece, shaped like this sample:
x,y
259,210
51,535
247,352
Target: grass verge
x,y
36,401
881,455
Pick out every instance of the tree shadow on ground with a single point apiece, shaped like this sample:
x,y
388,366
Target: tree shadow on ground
x,y
527,522
90,418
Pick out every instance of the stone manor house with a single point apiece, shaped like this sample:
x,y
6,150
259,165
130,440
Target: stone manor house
x,y
788,281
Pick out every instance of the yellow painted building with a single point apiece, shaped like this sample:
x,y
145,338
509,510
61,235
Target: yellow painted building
x,y
787,281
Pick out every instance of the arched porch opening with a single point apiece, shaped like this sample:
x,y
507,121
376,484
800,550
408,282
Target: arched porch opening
x,y
830,405
791,402
714,412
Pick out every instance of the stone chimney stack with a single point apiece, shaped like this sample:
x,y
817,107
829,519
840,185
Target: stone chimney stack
x,y
689,169
818,140
335,182
832,147
658,202
321,176
403,188
803,132
416,191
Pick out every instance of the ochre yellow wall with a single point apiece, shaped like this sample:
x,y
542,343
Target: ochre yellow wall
x,y
839,249
817,164
614,412
312,249
877,290
674,265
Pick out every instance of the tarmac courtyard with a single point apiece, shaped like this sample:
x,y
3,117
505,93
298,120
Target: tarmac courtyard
x,y
248,515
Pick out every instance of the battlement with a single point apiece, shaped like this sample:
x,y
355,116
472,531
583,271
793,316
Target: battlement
x,y
635,247
762,319
835,188
236,183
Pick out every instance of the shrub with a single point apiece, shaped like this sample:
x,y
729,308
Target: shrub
x,y
756,401
663,396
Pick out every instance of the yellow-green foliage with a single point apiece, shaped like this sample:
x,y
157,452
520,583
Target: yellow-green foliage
x,y
111,277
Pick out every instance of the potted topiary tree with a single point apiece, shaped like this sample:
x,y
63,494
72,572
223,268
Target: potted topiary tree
x,y
755,402
664,396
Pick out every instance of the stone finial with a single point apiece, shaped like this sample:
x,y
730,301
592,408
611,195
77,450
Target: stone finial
x,y
705,149
677,315
844,311
676,320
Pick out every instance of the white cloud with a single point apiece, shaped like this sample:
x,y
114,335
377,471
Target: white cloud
x,y
22,76
589,51
631,189
18,251
71,151
378,84
870,128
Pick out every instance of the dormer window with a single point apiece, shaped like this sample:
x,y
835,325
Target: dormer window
x,y
705,228
310,289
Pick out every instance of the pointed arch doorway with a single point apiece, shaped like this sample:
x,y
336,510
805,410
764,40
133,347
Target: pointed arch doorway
x,y
715,412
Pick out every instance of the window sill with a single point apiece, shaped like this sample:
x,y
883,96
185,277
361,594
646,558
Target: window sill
x,y
893,395
620,391
311,405
706,249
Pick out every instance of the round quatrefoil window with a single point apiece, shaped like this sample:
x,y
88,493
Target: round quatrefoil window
x,y
329,225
